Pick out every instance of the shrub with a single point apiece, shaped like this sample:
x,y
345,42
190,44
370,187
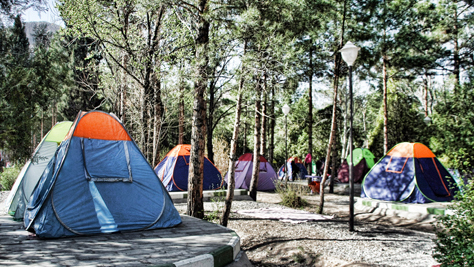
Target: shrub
x,y
455,232
8,177
289,195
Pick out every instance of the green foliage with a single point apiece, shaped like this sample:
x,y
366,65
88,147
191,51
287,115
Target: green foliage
x,y
8,177
290,196
405,123
455,232
453,127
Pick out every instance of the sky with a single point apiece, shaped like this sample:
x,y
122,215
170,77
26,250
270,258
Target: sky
x,y
51,15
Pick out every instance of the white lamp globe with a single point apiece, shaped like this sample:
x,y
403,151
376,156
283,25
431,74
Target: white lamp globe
x,y
285,109
349,53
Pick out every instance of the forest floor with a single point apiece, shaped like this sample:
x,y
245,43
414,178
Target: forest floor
x,y
378,239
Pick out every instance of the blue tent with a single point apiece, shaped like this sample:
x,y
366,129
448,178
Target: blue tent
x,y
173,171
98,182
290,163
409,173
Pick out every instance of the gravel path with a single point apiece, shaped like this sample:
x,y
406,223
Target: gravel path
x,y
325,243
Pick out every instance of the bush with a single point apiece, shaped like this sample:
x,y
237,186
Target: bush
x,y
289,195
455,232
8,177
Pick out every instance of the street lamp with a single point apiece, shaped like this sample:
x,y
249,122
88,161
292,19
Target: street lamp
x,y
349,54
286,110
427,120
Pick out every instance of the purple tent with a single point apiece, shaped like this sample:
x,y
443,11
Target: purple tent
x,y
243,173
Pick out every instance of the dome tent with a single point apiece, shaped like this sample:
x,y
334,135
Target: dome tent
x,y
31,172
98,182
410,173
243,173
363,162
302,172
173,171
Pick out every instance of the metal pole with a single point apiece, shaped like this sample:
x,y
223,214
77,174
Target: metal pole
x,y
286,150
351,175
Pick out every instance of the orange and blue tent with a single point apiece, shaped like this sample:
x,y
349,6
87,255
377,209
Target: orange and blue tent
x,y
410,173
173,170
98,182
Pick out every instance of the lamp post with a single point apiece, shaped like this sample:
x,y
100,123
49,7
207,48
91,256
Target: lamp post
x,y
427,120
286,110
349,55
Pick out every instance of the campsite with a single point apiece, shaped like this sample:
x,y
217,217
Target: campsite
x,y
243,132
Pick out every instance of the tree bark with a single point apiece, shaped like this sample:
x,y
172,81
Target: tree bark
x,y
385,109
337,65
263,132
457,61
310,105
210,121
271,146
195,205
233,150
181,111
256,147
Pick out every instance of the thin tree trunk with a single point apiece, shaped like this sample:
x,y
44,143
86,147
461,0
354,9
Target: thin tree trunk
x,y
195,205
181,111
210,119
271,147
385,109
256,146
337,64
310,105
158,113
333,167
457,61
425,94
123,90
263,132
42,124
233,150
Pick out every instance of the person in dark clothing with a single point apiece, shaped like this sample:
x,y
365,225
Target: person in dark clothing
x,y
294,170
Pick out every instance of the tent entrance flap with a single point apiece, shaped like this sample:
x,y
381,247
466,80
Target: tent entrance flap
x,y
95,153
396,164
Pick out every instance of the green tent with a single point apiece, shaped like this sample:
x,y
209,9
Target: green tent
x,y
363,162
29,176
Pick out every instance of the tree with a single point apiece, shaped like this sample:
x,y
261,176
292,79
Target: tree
x,y
195,206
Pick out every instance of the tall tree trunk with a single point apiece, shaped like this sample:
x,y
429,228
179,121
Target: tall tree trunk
x,y
310,105
256,146
233,150
457,61
181,111
210,121
333,166
425,94
42,124
263,132
337,65
271,146
385,109
123,90
158,114
195,205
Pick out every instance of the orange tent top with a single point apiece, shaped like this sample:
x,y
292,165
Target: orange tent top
x,y
98,125
179,150
411,150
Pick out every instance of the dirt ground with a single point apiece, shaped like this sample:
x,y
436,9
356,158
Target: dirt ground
x,y
375,242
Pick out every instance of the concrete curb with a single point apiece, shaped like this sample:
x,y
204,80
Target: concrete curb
x,y
430,209
239,194
217,258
